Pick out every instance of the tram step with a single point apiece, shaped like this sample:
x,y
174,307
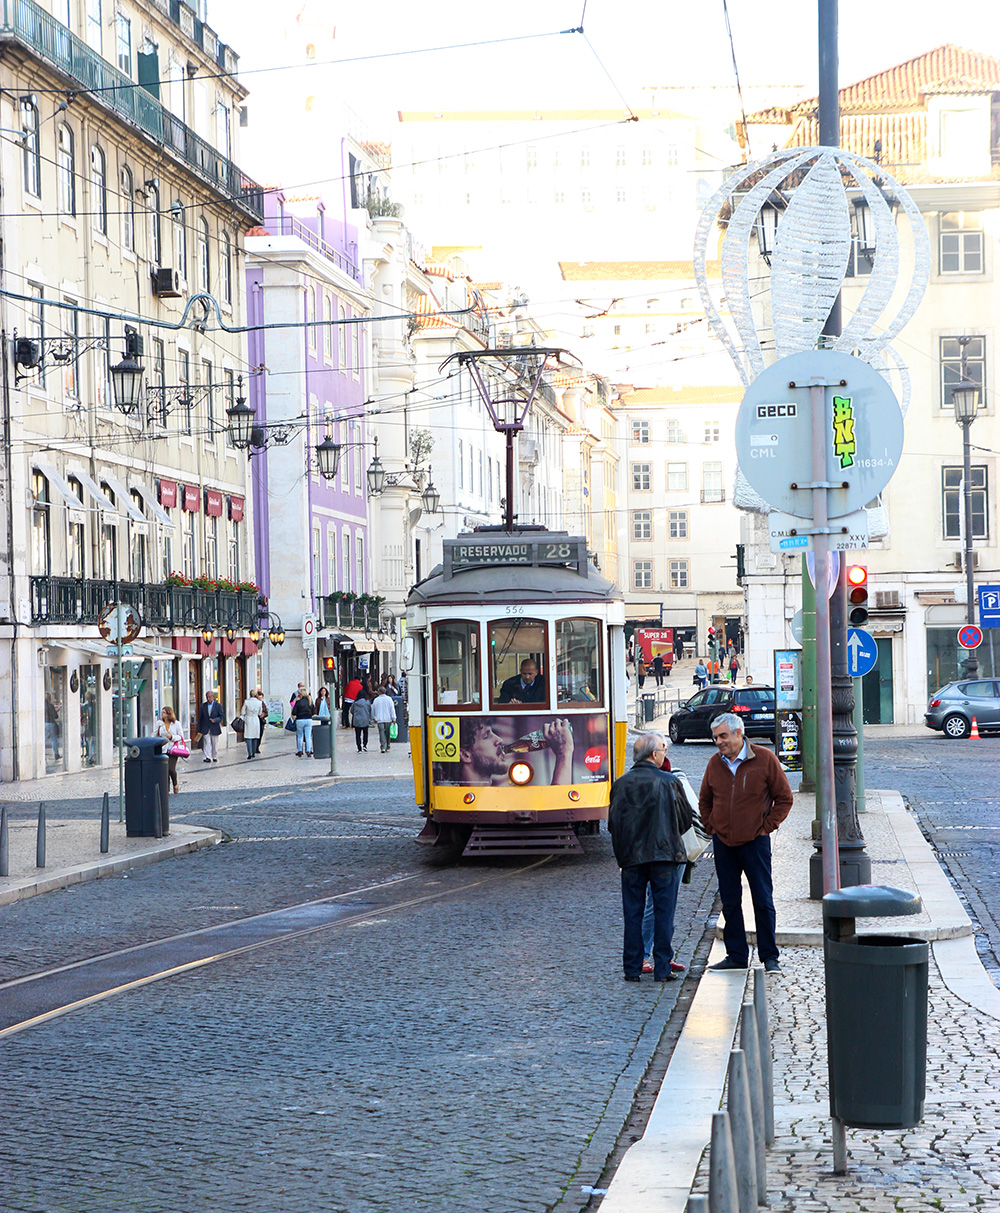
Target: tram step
x,y
523,840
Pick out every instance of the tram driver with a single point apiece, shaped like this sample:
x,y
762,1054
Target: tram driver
x,y
482,753
526,687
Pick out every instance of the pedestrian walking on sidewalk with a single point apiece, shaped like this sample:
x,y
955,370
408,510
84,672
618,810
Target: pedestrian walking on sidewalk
x,y
640,668
302,714
734,667
169,728
351,692
384,715
361,718
646,820
259,695
210,720
658,669
322,705
252,724
701,674
745,796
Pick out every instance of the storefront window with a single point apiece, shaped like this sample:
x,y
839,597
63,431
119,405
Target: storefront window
x,y
456,652
946,659
578,661
90,697
55,718
518,658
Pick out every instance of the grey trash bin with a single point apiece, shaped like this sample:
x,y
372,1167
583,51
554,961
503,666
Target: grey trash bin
x,y
145,771
321,738
876,1010
648,707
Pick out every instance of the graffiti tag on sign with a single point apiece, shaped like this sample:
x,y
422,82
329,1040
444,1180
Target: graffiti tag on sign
x,y
444,739
843,430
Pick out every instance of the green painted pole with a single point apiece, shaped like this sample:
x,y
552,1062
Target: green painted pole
x,y
808,683
859,724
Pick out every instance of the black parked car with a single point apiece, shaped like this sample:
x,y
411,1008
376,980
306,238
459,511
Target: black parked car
x,y
754,705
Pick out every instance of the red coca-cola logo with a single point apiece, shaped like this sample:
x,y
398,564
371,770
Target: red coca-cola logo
x,y
594,757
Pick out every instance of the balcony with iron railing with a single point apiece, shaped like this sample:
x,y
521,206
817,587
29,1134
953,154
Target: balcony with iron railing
x,y
288,225
335,613
79,600
43,35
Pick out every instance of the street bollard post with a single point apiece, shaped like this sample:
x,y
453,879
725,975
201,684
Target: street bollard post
x,y
741,1127
697,1203
766,1060
722,1194
40,840
157,813
750,1046
4,845
105,824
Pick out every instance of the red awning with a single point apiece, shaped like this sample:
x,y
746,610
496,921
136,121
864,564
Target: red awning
x,y
183,644
236,509
249,647
192,498
168,493
206,650
230,648
213,503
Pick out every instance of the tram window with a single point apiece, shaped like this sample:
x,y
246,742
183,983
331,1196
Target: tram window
x,y
578,661
456,647
518,663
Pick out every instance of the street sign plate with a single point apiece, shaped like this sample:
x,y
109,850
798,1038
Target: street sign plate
x,y
863,432
862,652
113,650
781,526
989,606
119,622
795,626
970,637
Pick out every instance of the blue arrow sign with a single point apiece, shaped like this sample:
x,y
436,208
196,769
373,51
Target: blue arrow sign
x,y
989,606
862,652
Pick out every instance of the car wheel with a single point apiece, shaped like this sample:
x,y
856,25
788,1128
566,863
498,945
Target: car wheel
x,y
675,733
956,726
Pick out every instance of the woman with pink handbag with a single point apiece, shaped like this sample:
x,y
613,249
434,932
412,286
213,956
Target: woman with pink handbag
x,y
170,728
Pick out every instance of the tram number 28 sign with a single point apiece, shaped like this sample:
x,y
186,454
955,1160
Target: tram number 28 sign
x,y
444,738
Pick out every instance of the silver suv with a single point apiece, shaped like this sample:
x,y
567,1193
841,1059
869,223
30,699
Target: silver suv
x,y
955,706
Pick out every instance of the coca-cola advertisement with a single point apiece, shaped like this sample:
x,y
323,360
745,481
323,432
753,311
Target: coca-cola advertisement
x,y
480,750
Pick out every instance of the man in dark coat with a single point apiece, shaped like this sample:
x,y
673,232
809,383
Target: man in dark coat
x,y
646,820
526,687
210,720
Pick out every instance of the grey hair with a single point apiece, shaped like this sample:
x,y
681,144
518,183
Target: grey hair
x,y
730,720
645,744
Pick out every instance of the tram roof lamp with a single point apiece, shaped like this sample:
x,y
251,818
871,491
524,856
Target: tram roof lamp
x,y
126,376
241,423
430,496
328,457
965,398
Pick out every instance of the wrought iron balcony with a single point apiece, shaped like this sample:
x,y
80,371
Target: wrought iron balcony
x,y
335,613
78,600
46,37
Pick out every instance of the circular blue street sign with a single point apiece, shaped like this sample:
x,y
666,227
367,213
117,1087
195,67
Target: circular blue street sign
x,y
862,652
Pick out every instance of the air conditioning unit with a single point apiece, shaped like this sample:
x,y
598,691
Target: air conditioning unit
x,y
959,560
168,283
887,600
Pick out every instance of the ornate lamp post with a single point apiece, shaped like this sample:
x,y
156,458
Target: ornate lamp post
x,y
965,398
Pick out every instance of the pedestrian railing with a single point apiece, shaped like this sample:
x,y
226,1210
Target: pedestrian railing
x,y
664,700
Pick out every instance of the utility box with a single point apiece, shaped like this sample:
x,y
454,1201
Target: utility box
x,y
145,771
876,1010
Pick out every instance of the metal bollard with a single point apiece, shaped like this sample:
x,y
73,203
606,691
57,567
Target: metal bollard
x,y
766,1060
697,1203
4,844
749,1045
105,824
722,1196
741,1126
157,814
40,840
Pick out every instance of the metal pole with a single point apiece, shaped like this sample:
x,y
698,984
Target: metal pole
x,y
808,783
333,743
105,824
508,515
121,729
40,839
859,728
971,661
4,846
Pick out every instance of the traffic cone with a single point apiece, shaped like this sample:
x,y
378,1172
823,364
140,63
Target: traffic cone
x,y
975,729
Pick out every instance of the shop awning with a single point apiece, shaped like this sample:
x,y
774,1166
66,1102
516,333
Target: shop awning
x,y
125,503
334,638
361,642
60,486
94,490
385,646
154,507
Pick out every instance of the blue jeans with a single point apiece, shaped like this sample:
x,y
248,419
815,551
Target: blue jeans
x,y
753,859
304,732
664,880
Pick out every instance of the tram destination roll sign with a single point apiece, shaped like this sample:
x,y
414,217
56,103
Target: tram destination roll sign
x,y
863,432
510,548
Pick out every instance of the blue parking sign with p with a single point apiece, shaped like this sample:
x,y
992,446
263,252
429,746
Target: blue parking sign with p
x,y
989,606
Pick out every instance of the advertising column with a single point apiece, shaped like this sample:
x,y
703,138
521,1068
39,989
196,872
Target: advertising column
x,y
788,708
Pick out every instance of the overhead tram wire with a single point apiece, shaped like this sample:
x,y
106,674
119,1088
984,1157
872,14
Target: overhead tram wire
x,y
736,73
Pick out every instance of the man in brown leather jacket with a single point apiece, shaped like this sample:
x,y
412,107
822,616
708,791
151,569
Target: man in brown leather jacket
x,y
744,797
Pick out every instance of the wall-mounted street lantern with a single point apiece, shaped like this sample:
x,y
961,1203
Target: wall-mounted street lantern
x,y
126,376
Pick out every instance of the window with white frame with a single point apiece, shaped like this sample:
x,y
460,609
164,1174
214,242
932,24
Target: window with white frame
x,y
642,477
642,524
712,431
109,539
179,218
211,546
36,324
359,544
127,208
155,234
204,257
461,464
41,539
678,523
123,43
95,29
311,317
642,574
674,431
185,398
70,322
317,572
235,561
66,169
137,542
226,267
345,562
953,505
77,563
356,350
158,377
188,549
342,316
99,190
331,560
328,328
960,243
209,385
678,574
640,432
711,481
963,359
31,161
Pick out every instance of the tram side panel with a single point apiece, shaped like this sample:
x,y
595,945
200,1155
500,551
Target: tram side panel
x,y
619,703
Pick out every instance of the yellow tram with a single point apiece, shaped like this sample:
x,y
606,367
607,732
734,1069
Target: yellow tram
x,y
516,686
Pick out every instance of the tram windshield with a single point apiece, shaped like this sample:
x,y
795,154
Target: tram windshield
x,y
518,656
578,661
456,647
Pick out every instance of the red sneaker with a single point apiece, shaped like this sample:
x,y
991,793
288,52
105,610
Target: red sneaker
x,y
647,966
676,967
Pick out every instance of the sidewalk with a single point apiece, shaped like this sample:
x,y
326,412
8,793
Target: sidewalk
x,y
73,851
947,1162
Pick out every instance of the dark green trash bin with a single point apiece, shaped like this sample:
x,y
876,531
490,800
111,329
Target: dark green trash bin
x,y
321,738
648,708
876,1011
145,772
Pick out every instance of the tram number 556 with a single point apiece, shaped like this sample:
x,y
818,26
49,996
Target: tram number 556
x,y
444,739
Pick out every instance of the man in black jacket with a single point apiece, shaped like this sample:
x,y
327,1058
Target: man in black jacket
x,y
646,820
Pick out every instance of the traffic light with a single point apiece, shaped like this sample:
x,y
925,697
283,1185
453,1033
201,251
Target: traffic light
x,y
329,669
857,595
711,641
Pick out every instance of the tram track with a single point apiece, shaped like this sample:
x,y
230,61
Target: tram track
x,y
38,998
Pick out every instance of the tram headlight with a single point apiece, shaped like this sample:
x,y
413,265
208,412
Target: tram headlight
x,y
520,773
469,797
574,795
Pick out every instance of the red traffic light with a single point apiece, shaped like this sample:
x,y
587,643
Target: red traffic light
x,y
857,574
329,663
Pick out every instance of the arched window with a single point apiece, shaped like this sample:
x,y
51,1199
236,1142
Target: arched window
x,y
128,210
153,207
99,189
226,268
343,337
30,158
311,316
66,169
180,238
204,265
